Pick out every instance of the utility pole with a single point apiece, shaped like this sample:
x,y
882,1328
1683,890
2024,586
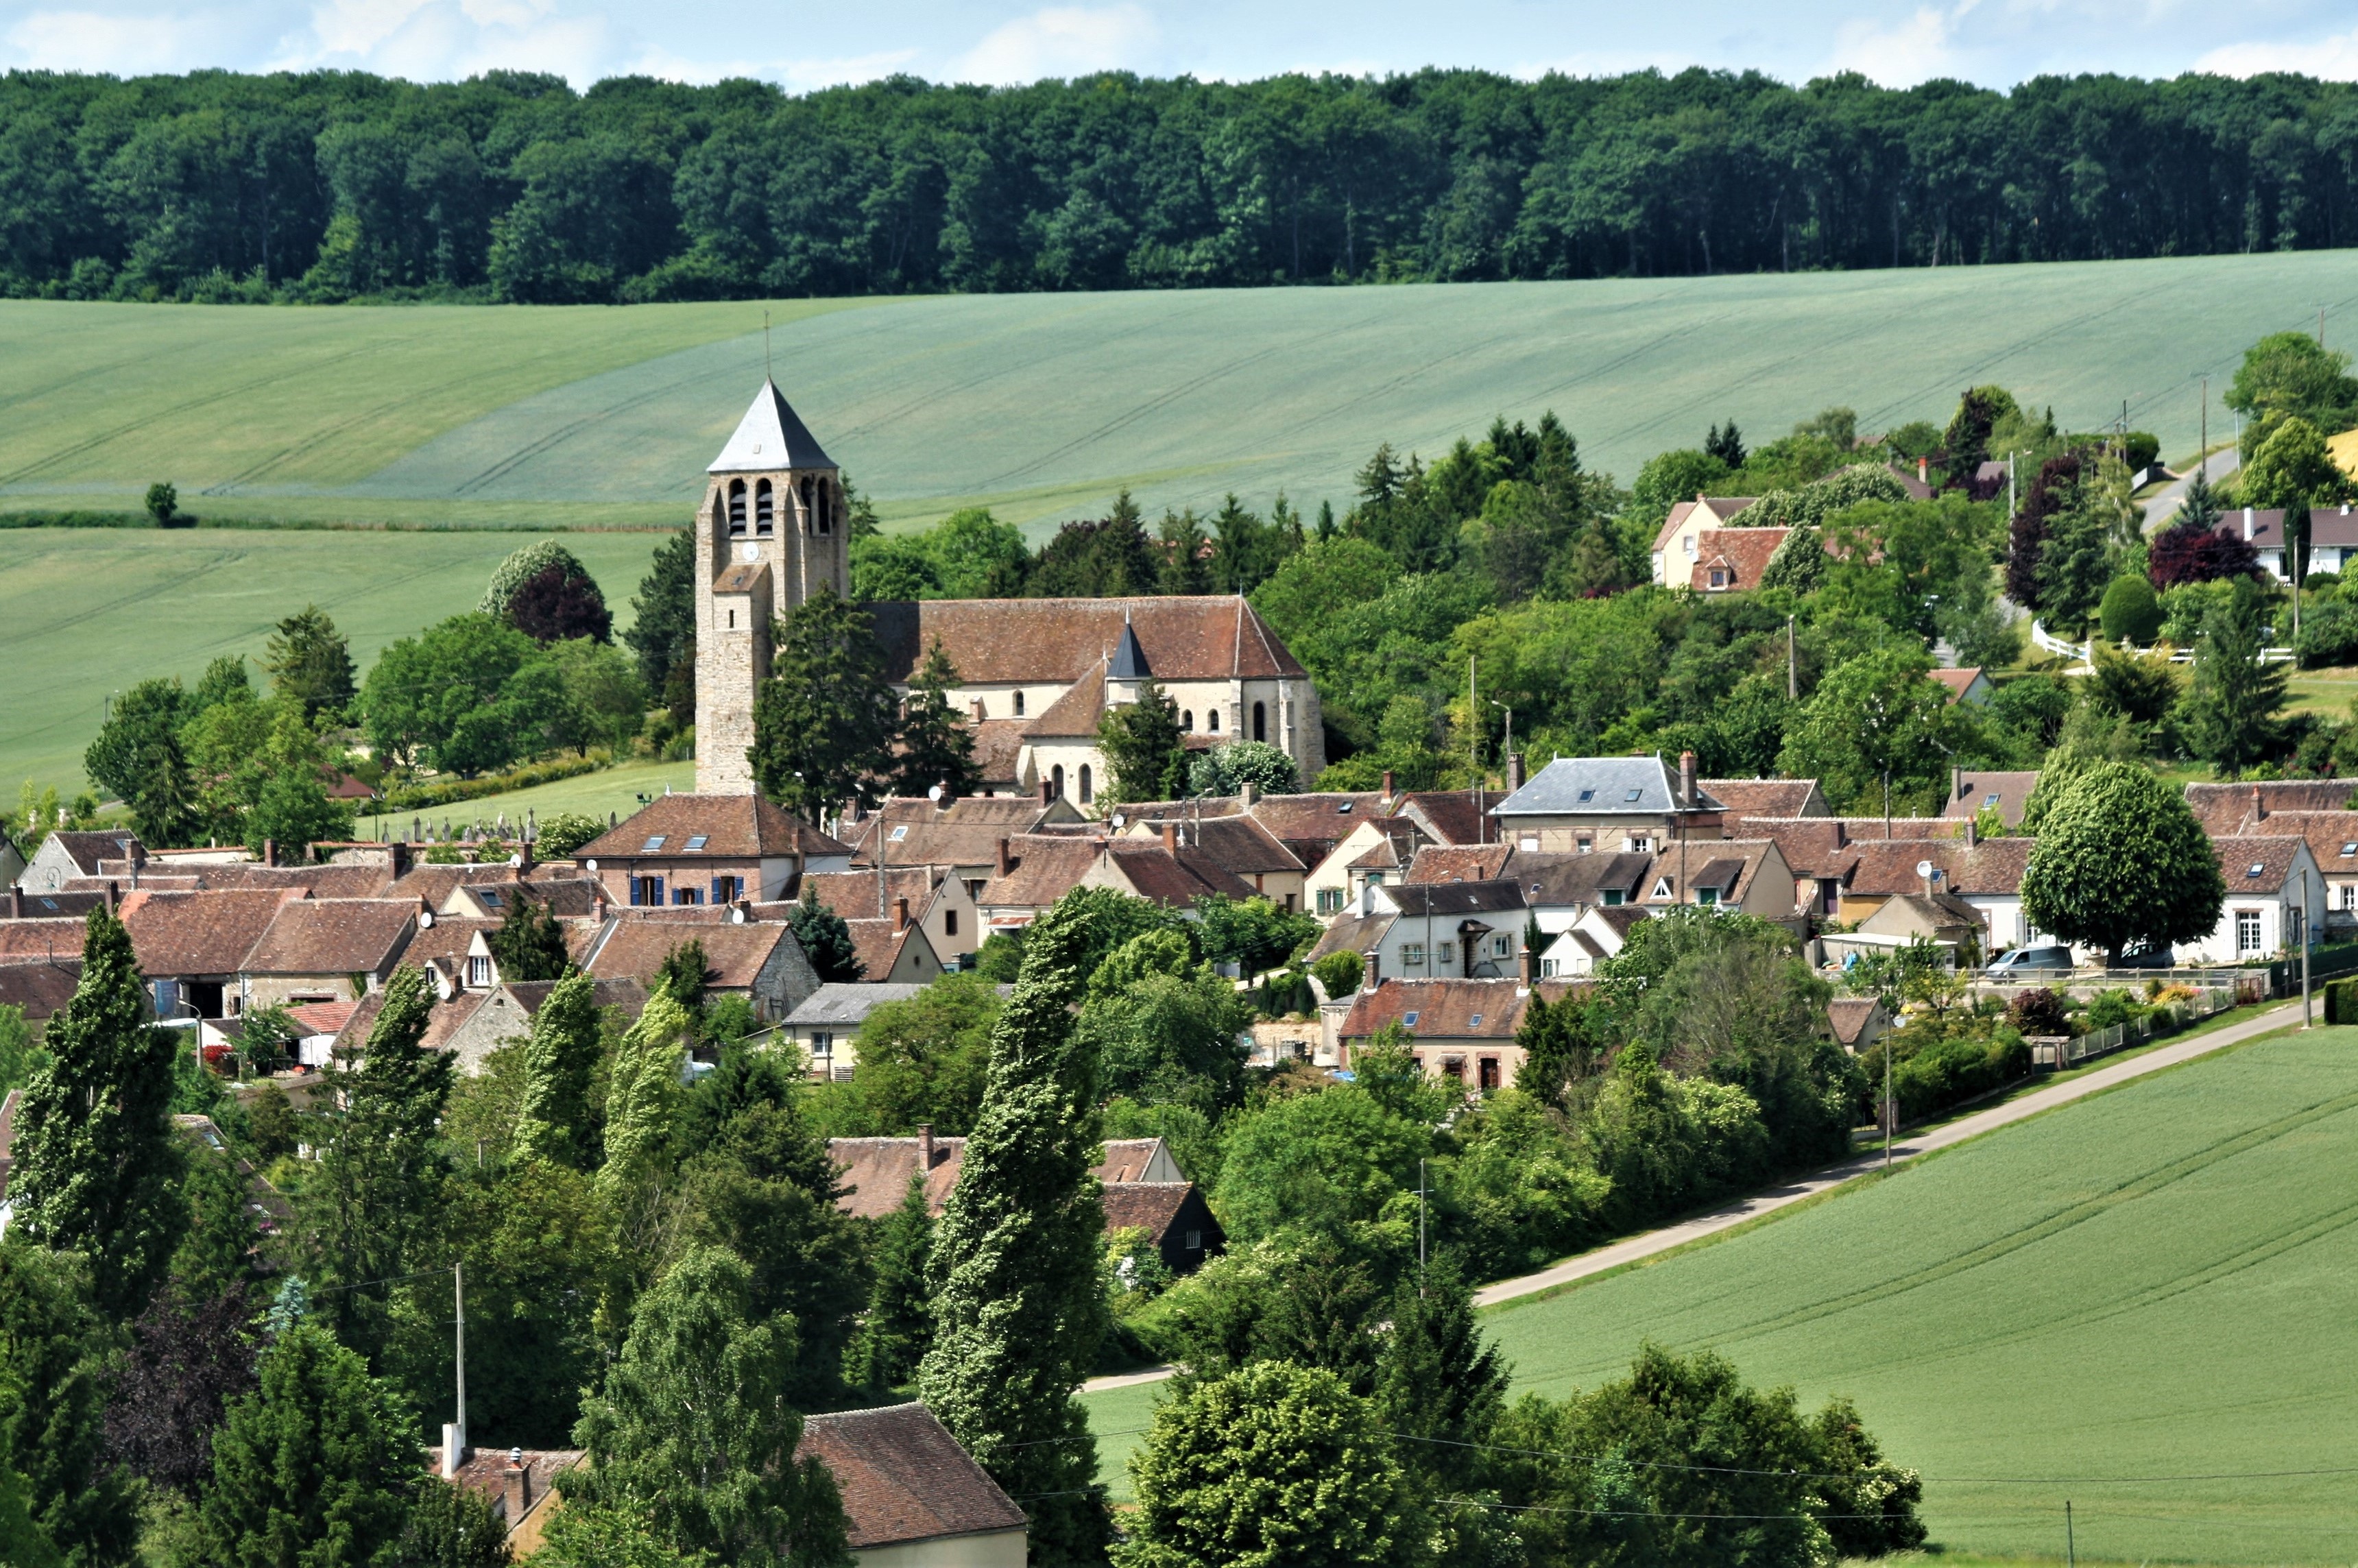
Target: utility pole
x,y
1793,665
454,1436
2071,1547
2304,946
1474,742
1890,1112
2202,464
1420,1227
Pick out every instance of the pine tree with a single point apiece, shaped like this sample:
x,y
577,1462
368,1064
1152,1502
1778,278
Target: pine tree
x,y
309,661
1180,540
1437,1379
899,1326
372,1203
2229,714
53,1349
1018,1295
826,939
663,627
314,1466
1143,750
561,1055
936,748
529,945
824,721
450,1527
1559,1048
691,1430
95,1158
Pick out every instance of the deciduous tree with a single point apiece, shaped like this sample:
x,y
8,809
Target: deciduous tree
x,y
560,1058
2121,859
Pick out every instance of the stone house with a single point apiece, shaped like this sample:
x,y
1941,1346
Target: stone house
x,y
193,947
1176,1219
1585,804
826,1022
1462,1028
325,949
939,903
67,854
1238,845
961,834
1732,560
877,1171
912,1497
1973,791
759,960
691,850
895,949
1039,869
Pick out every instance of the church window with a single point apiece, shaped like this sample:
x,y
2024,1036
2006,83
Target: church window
x,y
736,506
1018,705
1260,721
1056,780
1087,793
732,621
822,506
1188,720
765,510
1212,720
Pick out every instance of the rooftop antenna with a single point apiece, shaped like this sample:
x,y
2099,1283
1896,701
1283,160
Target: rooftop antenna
x,y
766,374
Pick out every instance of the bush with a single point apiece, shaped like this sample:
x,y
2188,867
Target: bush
x,y
2329,633
2039,1012
563,832
2113,1007
2341,1001
444,791
1339,973
1940,1073
2130,613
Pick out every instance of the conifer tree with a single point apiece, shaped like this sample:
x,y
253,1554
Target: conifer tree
x,y
53,1404
529,945
372,1203
826,939
1143,748
1018,1295
95,1157
314,1466
561,1055
936,748
1437,1378
823,722
899,1326
692,1433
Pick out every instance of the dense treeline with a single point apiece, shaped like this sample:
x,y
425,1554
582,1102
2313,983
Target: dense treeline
x,y
331,185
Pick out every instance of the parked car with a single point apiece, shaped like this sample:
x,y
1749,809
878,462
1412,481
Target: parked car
x,y
2159,957
2024,962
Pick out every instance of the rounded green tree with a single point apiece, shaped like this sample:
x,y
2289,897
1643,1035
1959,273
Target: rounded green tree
x,y
1275,1462
2121,859
2130,613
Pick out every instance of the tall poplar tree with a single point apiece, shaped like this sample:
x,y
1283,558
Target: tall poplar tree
x,y
561,1055
1018,1300
370,1205
95,1157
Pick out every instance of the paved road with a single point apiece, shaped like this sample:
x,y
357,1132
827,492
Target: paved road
x,y
2164,503
1653,1243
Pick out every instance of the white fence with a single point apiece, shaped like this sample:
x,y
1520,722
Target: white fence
x,y
2048,642
2122,1037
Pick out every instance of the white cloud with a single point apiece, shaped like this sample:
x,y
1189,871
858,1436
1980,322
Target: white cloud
x,y
1061,41
1903,53
2335,59
443,39
126,45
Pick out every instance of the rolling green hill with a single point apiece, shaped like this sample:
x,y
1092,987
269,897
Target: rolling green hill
x,y
1044,404
2148,1284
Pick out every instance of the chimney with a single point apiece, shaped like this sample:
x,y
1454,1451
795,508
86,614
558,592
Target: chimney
x,y
15,904
924,1147
1001,864
454,1448
1170,838
523,859
1531,967
1047,793
396,859
1248,792
114,890
1388,783
1515,774
946,799
519,1487
598,907
1957,782
900,915
2247,524
978,710
1686,779
270,851
2260,806
1924,471
1971,838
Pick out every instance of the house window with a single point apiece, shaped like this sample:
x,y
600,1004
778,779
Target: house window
x,y
1195,1241
479,971
1188,720
1718,578
2248,931
822,1043
899,832
687,895
1642,843
1412,954
653,843
1408,1020
766,509
697,841
2348,892
727,890
1447,953
1687,542
736,506
1330,899
1631,796
1706,896
1989,800
949,923
1212,720
1488,1070
1612,898
646,890
1018,705
1529,843
1260,722
1546,969
1503,947
1088,789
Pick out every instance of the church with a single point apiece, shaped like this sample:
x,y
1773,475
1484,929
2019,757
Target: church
x,y
1035,675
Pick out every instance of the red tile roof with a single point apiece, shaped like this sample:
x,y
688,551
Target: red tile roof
x,y
854,894
1444,1009
965,833
1176,881
1239,844
903,1479
38,985
1972,787
1149,1206
740,827
201,932
1460,863
2223,807
333,936
1740,554
59,938
1076,714
1017,641
2271,855
1767,797
639,944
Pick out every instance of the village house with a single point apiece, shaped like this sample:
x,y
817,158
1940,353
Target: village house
x,y
325,949
912,1497
826,1024
1597,935
1973,791
39,988
758,961
1464,1029
2332,537
193,946
67,854
1585,804
1745,876
959,833
1678,543
471,1024
937,901
1039,869
1768,797
1240,845
2276,894
2225,808
895,949
1435,930
1968,685
2333,839
1732,560
1857,1022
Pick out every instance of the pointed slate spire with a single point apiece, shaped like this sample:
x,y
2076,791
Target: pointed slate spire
x,y
1128,658
770,438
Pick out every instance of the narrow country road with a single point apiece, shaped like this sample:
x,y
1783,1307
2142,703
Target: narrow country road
x,y
1653,1243
2164,502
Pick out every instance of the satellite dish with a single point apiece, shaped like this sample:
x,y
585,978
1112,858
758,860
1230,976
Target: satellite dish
x,y
1923,868
934,792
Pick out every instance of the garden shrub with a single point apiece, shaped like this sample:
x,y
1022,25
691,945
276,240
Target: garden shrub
x,y
2039,1012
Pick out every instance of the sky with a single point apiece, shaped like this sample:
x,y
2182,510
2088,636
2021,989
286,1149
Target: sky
x,y
802,46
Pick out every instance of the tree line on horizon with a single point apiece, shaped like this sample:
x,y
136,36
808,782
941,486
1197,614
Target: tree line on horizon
x,y
331,186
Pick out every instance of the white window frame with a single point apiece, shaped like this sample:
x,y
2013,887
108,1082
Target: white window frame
x,y
2249,919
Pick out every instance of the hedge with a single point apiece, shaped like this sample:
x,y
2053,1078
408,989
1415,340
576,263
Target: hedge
x,y
446,792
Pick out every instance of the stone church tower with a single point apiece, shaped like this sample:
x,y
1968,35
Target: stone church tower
x,y
773,528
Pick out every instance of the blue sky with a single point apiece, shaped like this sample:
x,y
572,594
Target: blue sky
x,y
803,45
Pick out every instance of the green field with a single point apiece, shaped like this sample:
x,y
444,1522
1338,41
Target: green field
x,y
1044,404
2139,1303
86,612
614,792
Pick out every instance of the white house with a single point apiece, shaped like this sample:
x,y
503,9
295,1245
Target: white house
x,y
2275,894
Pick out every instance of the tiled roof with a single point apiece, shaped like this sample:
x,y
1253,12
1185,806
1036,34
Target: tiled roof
x,y
1556,879
2223,807
1450,1010
1850,1015
737,825
903,1479
965,833
345,880
87,848
1352,934
1460,863
201,932
432,885
1740,553
1612,786
1971,789
1992,868
1147,1205
2329,835
1958,681
2273,856
998,751
2333,527
59,938
846,1005
333,936
1239,844
38,985
876,1171
1076,714
327,1018
853,894
877,943
565,897
446,941
994,641
627,994
1453,815
1313,823
1767,797
1045,867
1449,900
638,944
58,905
444,1020
1174,881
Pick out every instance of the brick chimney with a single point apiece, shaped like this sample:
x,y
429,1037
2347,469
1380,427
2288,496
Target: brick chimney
x,y
270,851
1388,783
2260,806
1002,862
523,859
1515,774
598,907
1686,779
1972,836
1531,967
944,801
925,1148
114,892
1248,792
15,904
519,1487
900,915
396,859
1170,838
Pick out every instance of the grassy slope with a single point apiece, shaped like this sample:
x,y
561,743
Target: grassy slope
x,y
2145,1284
1044,404
615,790
84,613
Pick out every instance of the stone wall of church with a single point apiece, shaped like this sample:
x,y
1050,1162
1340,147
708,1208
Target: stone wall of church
x,y
732,660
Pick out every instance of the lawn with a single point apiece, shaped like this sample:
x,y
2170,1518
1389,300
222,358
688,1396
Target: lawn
x,y
86,612
613,791
1043,405
2135,1302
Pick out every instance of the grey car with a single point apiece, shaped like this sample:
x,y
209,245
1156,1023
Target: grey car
x,y
2022,962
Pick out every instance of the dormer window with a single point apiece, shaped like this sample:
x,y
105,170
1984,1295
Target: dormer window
x,y
736,506
479,972
899,832
488,895
1408,1019
654,842
1989,800
766,509
1586,796
697,841
1634,794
